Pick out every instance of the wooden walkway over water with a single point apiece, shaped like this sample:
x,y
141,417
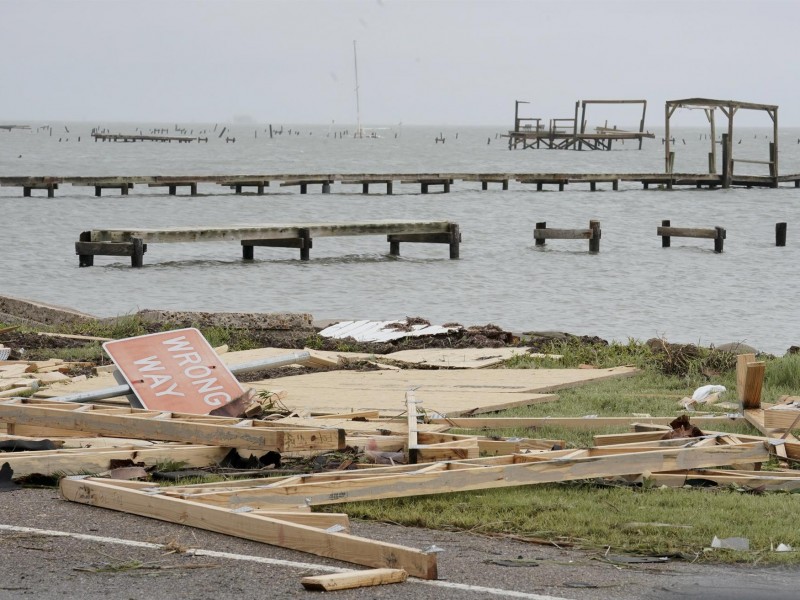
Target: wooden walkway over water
x,y
427,182
136,137
134,242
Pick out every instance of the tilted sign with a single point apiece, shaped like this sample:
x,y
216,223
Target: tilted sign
x,y
175,370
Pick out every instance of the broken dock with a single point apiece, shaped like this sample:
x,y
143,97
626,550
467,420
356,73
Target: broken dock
x,y
134,242
570,133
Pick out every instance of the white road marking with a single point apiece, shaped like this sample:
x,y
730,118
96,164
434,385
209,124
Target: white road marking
x,y
272,561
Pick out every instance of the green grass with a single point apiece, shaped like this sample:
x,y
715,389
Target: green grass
x,y
622,519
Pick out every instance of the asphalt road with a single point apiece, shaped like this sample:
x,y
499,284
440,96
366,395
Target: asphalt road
x,y
53,549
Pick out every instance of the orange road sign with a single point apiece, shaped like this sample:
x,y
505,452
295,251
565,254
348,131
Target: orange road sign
x,y
174,370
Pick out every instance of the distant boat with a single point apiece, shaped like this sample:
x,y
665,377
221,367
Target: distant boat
x,y
359,131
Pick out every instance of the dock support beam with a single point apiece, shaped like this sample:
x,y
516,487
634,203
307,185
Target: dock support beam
x,y
452,237
303,242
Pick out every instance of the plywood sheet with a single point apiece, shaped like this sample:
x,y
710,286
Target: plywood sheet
x,y
457,358
448,393
319,358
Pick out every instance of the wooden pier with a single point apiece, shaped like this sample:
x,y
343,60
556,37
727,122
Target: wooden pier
x,y
729,108
570,133
425,182
134,242
138,137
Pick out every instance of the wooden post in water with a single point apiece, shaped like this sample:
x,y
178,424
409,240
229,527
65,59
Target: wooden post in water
x,y
773,164
727,161
665,239
137,254
780,234
305,250
455,240
85,260
719,240
364,187
594,241
542,225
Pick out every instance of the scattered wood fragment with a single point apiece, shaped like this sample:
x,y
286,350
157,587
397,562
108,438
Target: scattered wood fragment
x,y
87,338
356,579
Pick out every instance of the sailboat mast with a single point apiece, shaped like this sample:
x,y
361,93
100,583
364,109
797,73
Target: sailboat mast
x,y
358,106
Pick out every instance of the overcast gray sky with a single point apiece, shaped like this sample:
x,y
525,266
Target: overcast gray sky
x,y
448,62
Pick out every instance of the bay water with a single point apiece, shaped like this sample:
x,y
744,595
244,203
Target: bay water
x,y
632,288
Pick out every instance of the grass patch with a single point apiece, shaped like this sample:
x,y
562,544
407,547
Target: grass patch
x,y
654,521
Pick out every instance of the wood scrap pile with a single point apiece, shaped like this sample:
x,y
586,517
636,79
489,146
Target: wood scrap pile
x,y
395,451
20,377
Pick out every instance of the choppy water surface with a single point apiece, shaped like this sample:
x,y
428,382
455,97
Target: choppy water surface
x,y
632,289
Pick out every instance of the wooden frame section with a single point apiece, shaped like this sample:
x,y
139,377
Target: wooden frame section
x,y
250,526
729,109
456,476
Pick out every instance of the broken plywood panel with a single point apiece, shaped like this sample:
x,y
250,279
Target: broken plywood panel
x,y
449,393
456,358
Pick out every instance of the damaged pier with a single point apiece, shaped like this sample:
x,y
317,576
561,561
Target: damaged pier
x,y
133,242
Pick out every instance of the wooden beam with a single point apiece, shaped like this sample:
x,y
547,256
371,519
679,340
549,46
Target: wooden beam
x,y
571,422
259,528
156,425
96,460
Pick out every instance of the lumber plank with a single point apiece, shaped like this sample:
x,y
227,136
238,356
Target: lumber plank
x,y
340,546
742,361
479,423
132,422
753,383
356,579
763,480
96,460
319,520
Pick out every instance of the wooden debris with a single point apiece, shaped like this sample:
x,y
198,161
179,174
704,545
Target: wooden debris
x,y
167,426
356,579
572,422
749,380
525,469
87,338
256,527
97,460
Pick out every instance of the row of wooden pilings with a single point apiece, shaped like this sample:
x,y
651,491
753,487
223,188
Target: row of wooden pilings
x,y
542,233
